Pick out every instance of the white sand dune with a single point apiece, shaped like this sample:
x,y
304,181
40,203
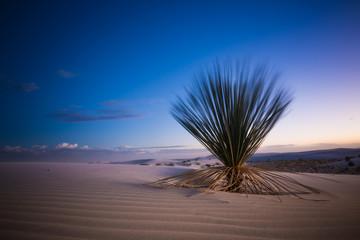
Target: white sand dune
x,y
103,201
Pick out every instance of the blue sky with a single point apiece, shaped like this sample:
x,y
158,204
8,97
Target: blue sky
x,y
102,74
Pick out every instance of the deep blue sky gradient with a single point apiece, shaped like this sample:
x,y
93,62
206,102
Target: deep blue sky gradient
x,y
103,73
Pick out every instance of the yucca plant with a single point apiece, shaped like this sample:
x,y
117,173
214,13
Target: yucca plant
x,y
230,111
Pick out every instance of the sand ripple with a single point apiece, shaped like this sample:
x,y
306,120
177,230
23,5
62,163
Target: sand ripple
x,y
79,201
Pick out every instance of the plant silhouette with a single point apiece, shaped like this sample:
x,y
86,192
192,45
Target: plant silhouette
x,y
230,110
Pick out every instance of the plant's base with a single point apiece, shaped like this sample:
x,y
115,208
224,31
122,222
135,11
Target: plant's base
x,y
245,179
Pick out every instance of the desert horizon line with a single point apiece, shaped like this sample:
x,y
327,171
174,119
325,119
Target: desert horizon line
x,y
161,150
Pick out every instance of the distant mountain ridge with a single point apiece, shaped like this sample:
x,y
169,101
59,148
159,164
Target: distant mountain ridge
x,y
328,154
337,153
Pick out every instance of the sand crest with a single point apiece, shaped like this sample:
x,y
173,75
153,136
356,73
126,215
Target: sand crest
x,y
104,201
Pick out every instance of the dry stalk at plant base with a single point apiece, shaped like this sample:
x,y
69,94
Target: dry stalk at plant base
x,y
247,180
230,111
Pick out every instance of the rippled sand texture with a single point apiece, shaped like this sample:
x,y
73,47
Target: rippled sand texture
x,y
83,201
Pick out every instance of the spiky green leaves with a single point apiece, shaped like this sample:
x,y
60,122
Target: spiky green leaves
x,y
231,110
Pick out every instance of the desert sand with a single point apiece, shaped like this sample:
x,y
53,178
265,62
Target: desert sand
x,y
109,201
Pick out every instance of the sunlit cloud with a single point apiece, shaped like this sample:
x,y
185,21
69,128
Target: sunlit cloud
x,y
37,149
39,146
123,103
115,111
17,87
76,106
92,116
168,152
71,152
153,148
151,101
126,147
194,151
66,145
111,111
166,147
53,149
13,149
18,149
29,87
65,74
115,103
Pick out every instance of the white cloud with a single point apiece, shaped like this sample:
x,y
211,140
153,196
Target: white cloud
x,y
16,86
39,147
66,145
13,149
76,106
127,146
65,74
115,103
29,87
